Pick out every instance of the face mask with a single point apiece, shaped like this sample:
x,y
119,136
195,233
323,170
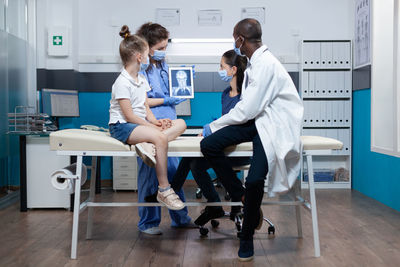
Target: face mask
x,y
144,66
158,55
224,76
237,50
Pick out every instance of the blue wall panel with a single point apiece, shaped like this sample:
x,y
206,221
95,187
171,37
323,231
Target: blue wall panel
x,y
93,107
205,107
375,175
94,110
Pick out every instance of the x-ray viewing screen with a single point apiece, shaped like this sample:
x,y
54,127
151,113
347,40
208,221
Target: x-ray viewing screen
x,y
60,103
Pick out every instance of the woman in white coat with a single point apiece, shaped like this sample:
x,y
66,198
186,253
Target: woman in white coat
x,y
269,114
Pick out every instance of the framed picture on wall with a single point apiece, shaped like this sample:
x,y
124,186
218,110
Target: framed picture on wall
x,y
181,82
362,35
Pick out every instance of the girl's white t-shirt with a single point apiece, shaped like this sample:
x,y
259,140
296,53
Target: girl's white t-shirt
x,y
126,87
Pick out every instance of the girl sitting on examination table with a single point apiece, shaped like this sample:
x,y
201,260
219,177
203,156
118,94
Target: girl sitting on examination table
x,y
131,120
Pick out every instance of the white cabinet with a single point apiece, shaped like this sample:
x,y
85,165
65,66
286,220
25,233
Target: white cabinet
x,y
40,164
326,91
125,173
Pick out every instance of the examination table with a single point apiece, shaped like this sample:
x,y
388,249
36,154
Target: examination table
x,y
81,143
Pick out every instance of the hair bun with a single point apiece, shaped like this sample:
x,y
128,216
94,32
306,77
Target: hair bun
x,y
124,32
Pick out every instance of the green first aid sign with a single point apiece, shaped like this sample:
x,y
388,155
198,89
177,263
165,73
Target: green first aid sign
x,y
57,40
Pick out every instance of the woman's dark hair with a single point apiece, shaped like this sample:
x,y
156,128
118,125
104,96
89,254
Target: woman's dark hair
x,y
240,62
153,33
130,45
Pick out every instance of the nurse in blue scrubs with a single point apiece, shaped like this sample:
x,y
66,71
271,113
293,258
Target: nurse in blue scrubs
x,y
163,107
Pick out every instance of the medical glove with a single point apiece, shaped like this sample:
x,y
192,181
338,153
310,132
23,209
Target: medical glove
x,y
171,101
206,130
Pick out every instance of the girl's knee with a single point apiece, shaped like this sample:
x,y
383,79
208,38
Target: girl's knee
x,y
179,123
161,140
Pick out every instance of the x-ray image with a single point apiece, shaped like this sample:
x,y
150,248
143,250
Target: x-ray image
x,y
181,82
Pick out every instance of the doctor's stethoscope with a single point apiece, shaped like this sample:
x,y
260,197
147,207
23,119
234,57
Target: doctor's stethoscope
x,y
162,71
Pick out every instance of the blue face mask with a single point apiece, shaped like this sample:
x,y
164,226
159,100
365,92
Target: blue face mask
x,y
237,50
224,76
158,55
144,66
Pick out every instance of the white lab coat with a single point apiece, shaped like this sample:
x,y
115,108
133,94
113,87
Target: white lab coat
x,y
270,97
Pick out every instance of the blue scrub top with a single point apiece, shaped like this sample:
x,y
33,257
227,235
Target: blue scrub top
x,y
228,102
157,76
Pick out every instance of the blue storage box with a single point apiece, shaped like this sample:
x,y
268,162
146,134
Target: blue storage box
x,y
322,175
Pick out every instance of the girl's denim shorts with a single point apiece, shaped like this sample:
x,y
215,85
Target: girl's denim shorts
x,y
122,131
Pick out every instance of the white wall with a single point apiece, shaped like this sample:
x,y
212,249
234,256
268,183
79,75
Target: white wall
x,y
99,21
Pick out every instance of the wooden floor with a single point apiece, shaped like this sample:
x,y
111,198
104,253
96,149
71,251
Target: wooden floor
x,y
354,231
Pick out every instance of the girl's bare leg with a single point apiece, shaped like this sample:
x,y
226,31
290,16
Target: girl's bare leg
x,y
160,140
177,128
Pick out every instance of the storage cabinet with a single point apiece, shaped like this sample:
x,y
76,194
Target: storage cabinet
x,y
125,173
326,91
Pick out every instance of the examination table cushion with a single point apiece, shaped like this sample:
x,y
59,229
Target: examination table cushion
x,y
86,140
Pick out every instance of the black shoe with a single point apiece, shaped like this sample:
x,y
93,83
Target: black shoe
x,y
246,250
151,198
235,210
210,212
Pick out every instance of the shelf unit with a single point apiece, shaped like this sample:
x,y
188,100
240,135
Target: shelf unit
x,y
125,173
326,91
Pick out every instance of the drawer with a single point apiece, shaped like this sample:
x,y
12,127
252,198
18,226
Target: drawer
x,y
124,174
124,166
131,160
124,184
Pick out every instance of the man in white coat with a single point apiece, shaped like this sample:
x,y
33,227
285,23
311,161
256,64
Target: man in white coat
x,y
269,115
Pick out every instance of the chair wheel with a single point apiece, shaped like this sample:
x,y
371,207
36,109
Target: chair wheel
x,y
214,223
271,229
199,194
238,226
203,231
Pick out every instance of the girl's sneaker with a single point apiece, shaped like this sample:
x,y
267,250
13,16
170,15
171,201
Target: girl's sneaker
x,y
170,199
146,152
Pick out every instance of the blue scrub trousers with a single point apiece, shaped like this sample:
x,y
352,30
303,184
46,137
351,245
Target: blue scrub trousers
x,y
148,185
157,76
